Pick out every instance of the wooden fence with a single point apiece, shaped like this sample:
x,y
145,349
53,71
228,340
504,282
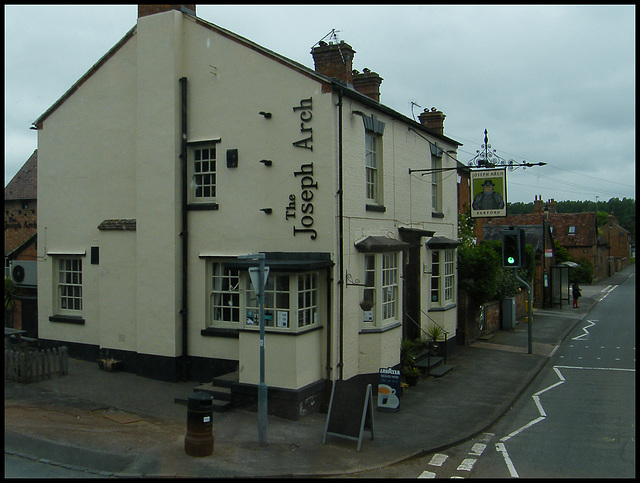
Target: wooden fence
x,y
24,365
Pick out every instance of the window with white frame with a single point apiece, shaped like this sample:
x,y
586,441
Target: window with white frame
x,y
307,299
291,299
436,185
435,276
381,288
373,171
225,295
276,303
449,275
442,276
389,286
69,286
203,171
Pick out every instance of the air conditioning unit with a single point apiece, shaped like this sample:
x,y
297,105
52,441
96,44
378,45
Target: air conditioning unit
x,y
24,272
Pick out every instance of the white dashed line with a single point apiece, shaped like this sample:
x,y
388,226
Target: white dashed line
x,y
438,459
467,464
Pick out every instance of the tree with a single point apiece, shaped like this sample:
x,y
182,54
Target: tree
x,y
478,269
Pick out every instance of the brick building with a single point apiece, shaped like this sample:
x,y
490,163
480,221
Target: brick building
x,y
20,244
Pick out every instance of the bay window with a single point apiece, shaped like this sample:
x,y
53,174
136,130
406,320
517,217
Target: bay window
x,y
291,299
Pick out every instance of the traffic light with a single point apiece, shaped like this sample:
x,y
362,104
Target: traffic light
x,y
513,253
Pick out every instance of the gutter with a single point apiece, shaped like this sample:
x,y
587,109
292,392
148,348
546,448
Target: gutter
x,y
340,239
184,311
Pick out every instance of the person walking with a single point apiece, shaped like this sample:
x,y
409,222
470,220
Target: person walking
x,y
576,294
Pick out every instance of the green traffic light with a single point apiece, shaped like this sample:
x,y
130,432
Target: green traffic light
x,y
511,260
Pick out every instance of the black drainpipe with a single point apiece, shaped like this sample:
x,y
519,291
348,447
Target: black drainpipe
x,y
341,237
184,229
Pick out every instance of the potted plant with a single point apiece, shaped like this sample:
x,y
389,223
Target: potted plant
x,y
410,372
435,334
411,375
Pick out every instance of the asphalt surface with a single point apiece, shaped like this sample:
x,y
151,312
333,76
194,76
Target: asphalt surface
x,y
119,424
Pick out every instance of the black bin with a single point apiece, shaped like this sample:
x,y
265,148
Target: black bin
x,y
199,438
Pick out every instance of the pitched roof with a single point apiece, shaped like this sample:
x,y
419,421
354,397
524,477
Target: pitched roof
x,y
584,234
344,88
24,185
534,234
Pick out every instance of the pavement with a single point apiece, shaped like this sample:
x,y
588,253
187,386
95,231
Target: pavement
x,y
117,424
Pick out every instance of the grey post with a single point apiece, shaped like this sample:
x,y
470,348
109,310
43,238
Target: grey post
x,y
262,387
530,298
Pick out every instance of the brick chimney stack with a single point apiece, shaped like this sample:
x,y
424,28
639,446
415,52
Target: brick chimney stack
x,y
551,204
367,83
334,60
537,205
144,10
433,120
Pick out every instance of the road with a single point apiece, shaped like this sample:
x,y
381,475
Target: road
x,y
19,467
576,419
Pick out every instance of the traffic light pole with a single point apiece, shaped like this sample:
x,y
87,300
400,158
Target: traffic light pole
x,y
530,309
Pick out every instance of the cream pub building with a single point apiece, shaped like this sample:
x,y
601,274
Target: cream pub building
x,y
186,147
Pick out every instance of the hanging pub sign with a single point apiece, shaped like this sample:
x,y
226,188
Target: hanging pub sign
x,y
488,193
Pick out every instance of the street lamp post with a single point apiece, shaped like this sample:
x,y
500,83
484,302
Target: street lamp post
x,y
259,281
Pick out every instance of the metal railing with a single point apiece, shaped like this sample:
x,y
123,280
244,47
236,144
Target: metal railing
x,y
436,324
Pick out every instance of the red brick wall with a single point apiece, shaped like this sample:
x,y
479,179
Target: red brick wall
x,y
20,223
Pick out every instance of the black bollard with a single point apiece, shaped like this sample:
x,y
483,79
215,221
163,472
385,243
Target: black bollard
x,y
199,438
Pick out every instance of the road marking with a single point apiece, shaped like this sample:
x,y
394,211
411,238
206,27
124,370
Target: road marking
x,y
438,459
586,332
597,368
427,474
467,464
520,430
477,449
500,448
486,437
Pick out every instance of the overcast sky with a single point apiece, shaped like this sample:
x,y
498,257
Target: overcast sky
x,y
553,84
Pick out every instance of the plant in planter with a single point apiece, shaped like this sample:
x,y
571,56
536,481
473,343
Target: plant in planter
x,y
411,375
435,334
408,352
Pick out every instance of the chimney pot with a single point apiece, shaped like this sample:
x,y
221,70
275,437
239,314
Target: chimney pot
x,y
334,60
367,83
433,120
144,10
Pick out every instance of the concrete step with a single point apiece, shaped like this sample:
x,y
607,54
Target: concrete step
x,y
428,363
441,370
220,389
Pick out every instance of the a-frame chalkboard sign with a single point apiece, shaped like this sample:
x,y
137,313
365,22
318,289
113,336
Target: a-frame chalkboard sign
x,y
350,411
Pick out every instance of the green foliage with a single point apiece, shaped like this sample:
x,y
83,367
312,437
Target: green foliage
x,y
9,291
507,285
466,235
478,269
601,218
435,332
560,253
408,352
583,273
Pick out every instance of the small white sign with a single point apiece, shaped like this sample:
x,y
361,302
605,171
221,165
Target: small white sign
x,y
283,319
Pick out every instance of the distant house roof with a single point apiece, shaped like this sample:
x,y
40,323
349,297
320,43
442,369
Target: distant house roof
x,y
583,233
533,234
24,185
